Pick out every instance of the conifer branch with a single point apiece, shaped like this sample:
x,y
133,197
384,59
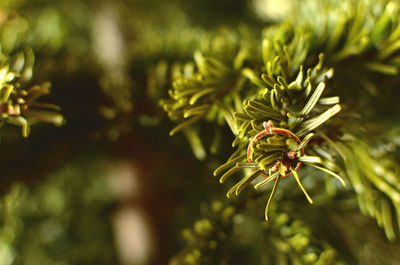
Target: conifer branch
x,y
18,99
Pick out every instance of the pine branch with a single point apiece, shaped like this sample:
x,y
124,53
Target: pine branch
x,y
366,31
208,240
208,89
220,231
18,100
375,183
278,152
293,242
293,101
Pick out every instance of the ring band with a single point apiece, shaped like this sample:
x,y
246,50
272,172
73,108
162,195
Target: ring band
x,y
268,130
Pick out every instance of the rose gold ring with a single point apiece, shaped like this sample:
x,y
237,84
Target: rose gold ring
x,y
270,129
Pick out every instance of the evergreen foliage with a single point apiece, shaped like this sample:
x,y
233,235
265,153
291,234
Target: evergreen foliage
x,y
280,91
19,104
302,106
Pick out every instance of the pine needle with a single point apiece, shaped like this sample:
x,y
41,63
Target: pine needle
x,y
271,196
301,186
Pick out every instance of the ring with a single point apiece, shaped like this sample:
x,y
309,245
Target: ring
x,y
270,129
